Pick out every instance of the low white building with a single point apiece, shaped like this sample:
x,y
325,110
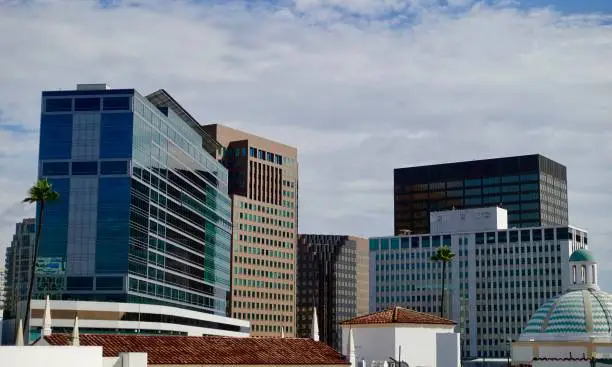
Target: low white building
x,y
573,329
128,318
399,334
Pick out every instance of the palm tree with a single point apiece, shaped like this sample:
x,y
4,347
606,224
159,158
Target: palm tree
x,y
445,255
41,193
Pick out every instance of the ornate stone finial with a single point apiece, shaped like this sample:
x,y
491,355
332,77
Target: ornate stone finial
x,y
46,331
19,337
315,325
74,339
351,349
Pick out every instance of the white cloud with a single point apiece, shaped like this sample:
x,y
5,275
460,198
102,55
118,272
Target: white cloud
x,y
358,95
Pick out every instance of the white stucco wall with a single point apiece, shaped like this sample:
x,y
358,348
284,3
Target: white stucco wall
x,y
448,350
373,343
418,344
47,356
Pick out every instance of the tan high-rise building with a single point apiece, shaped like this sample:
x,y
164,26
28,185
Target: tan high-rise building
x,y
263,184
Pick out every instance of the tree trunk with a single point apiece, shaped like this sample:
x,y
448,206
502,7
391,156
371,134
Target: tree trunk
x,y
41,218
443,281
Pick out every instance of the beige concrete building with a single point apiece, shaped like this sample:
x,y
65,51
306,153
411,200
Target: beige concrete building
x,y
263,179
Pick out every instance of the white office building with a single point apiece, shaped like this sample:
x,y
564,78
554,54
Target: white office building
x,y
497,280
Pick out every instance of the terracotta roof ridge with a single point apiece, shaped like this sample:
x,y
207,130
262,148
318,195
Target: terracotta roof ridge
x,y
424,313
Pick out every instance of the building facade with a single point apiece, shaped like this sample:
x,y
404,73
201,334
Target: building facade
x,y
497,279
144,214
18,262
333,277
533,188
263,179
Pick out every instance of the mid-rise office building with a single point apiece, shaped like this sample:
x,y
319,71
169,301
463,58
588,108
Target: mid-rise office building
x,y
263,179
333,277
18,264
498,278
532,188
144,214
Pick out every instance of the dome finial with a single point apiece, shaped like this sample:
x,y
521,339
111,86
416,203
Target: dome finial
x,y
583,270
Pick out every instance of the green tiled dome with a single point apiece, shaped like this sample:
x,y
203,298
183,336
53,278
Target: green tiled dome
x,y
585,312
582,255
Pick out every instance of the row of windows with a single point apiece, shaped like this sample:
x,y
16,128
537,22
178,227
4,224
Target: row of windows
x,y
84,168
267,156
266,209
533,235
256,294
87,104
486,181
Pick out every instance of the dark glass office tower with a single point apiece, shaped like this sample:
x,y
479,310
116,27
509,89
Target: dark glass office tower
x,y
144,214
333,277
532,188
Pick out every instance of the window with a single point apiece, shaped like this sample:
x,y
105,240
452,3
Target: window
x,y
510,179
58,105
525,236
116,104
113,168
279,159
502,237
84,168
55,169
270,157
87,104
491,180
537,235
109,283
253,152
473,182
261,154
514,236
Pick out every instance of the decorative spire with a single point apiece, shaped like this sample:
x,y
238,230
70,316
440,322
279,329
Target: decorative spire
x,y
351,349
46,331
74,339
315,325
282,331
19,337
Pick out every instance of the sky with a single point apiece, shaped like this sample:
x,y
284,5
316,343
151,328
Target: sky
x,y
360,87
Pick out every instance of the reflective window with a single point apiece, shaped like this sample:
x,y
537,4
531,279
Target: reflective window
x,y
55,169
85,168
116,104
58,105
113,167
87,104
55,137
116,135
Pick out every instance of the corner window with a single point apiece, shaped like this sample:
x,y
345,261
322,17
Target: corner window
x,y
116,104
58,105
113,168
55,169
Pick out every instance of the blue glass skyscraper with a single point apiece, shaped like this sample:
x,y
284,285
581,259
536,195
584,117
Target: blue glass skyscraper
x,y
144,214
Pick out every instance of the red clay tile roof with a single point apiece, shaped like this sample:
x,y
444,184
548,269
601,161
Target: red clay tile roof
x,y
212,350
398,315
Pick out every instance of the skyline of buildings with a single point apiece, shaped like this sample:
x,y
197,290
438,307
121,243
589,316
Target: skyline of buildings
x,y
532,187
333,277
497,279
158,209
263,185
